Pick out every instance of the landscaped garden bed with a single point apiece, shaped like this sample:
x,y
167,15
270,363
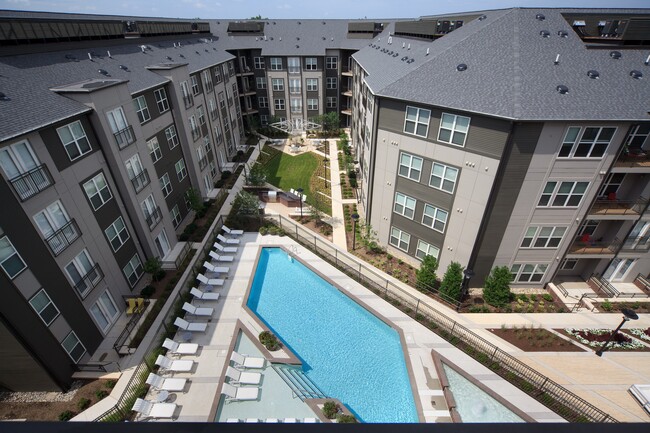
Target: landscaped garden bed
x,y
531,339
641,334
522,303
596,338
608,306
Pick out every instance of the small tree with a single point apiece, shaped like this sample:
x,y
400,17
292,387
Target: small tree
x,y
194,199
246,204
368,237
329,121
317,203
426,275
451,286
153,267
256,175
496,289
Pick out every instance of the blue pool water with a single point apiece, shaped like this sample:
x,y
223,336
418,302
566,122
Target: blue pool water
x,y
346,351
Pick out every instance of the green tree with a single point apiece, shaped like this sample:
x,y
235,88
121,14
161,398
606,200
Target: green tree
x,y
246,204
194,198
258,17
451,284
256,175
426,275
368,237
329,121
496,289
153,267
317,202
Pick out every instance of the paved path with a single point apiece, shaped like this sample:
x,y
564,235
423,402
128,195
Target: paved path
x,y
337,221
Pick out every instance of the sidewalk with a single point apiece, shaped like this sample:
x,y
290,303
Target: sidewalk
x,y
337,221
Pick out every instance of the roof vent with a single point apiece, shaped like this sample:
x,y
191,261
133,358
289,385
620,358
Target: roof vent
x,y
181,56
557,60
410,61
206,50
563,33
169,58
482,17
404,58
427,51
461,67
273,22
109,54
297,38
214,48
323,22
324,38
103,72
197,53
636,74
540,17
90,56
647,60
615,54
4,97
396,55
299,23
390,40
124,68
562,89
297,46
593,74
579,23
545,34
271,38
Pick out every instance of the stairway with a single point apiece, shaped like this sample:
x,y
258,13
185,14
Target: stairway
x,y
301,386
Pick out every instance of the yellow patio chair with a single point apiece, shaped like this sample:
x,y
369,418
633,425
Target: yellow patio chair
x,y
132,306
140,305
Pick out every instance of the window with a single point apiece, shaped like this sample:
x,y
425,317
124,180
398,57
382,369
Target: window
x,y
434,218
154,149
294,85
53,222
527,273
296,105
44,307
404,205
410,166
83,273
311,63
264,119
260,83
331,102
181,171
416,121
176,216
119,126
162,243
133,270
74,140
331,62
638,136
279,104
217,74
276,64
568,264
588,227
97,191
161,100
206,145
312,104
293,64
592,143
443,177
312,84
399,239
453,129
172,138
259,62
207,81
263,102
104,311
562,194
140,105
217,132
117,234
73,346
195,85
331,83
231,68
137,174
543,237
222,100
150,211
194,127
277,83
165,185
10,260
201,115
425,249
612,183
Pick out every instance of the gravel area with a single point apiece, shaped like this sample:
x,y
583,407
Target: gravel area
x,y
45,396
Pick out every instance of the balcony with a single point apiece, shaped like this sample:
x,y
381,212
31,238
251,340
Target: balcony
x,y
214,113
124,137
346,72
633,158
637,244
63,237
196,133
32,182
294,90
89,281
203,162
246,72
594,248
153,218
209,87
618,208
188,100
347,92
140,180
346,110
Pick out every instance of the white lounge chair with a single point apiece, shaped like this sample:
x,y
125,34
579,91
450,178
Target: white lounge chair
x,y
252,420
166,383
240,393
174,348
232,232
204,296
175,365
272,420
310,420
190,326
290,420
304,198
210,281
217,258
223,249
243,377
233,420
292,191
154,410
198,311
227,240
216,269
246,361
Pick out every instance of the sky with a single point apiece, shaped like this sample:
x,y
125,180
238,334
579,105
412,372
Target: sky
x,y
241,9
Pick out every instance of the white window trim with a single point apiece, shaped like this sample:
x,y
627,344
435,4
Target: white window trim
x,y
15,253
141,109
402,200
117,234
435,218
538,235
554,193
453,129
575,143
400,239
154,149
134,268
164,185
426,250
160,95
517,274
100,305
410,166
75,140
98,191
181,169
172,136
445,170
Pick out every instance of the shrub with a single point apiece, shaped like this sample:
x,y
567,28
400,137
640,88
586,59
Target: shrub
x,y
606,305
269,341
523,297
183,237
102,393
496,290
426,275
547,297
533,298
83,404
346,419
110,384
66,415
190,228
452,282
147,291
330,409
225,174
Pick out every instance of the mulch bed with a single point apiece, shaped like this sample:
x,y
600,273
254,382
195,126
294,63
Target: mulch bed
x,y
603,337
322,229
613,307
535,340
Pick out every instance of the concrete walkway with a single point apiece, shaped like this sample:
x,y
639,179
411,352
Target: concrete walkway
x,y
337,221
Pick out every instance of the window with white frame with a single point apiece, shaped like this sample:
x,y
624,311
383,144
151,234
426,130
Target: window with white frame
x,y
165,184
74,140
453,129
206,145
10,260
279,104
416,121
410,166
117,234
44,307
195,85
104,311
312,84
638,136
207,81
311,63
568,264
259,62
593,142
278,84
331,83
201,115
176,216
293,65
82,272
140,105
133,270
434,217
97,191
562,194
260,83
154,149
294,85
73,346
543,237
161,100
443,177
296,105
235,91
231,68
404,205
331,62
264,119
217,132
528,272
399,239
222,100
263,102
312,104
181,171
426,249
332,102
172,137
276,64
150,210
218,74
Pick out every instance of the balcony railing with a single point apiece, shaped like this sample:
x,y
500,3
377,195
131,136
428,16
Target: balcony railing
x,y
32,182
196,133
63,237
230,102
140,180
618,207
203,162
595,247
153,218
294,90
209,87
124,137
213,114
188,100
89,281
633,158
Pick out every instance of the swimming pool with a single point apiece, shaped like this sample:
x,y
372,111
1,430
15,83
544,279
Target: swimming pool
x,y
346,351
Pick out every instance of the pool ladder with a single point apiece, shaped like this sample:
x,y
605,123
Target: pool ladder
x,y
301,386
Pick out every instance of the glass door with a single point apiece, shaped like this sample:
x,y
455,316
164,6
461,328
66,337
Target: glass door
x,y
618,269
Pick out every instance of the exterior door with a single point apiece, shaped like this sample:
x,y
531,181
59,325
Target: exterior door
x,y
618,269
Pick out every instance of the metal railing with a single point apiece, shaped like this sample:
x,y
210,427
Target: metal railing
x,y
639,243
594,247
124,137
603,285
618,207
188,100
122,340
89,281
214,113
196,133
32,182
203,162
643,280
63,237
153,218
140,180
